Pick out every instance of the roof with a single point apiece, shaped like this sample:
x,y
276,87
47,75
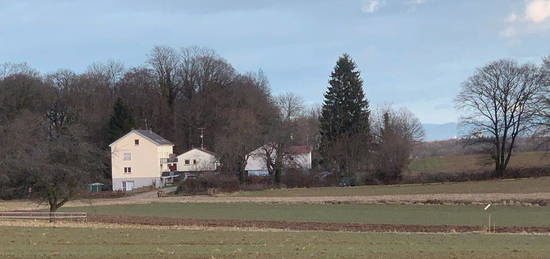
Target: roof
x,y
149,135
201,149
157,139
298,149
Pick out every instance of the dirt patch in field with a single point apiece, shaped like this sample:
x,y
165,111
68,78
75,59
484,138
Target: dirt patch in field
x,y
300,226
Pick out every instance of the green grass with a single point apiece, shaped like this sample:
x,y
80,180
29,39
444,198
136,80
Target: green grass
x,y
469,163
530,185
344,213
40,242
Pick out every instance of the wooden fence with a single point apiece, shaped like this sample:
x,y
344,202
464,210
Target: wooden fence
x,y
43,215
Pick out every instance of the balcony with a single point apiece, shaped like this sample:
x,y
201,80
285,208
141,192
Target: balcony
x,y
168,160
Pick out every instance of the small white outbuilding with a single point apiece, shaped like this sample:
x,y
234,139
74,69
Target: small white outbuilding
x,y
198,160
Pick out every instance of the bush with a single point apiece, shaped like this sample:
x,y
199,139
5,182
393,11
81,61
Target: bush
x,y
223,183
102,195
192,186
257,182
294,178
200,185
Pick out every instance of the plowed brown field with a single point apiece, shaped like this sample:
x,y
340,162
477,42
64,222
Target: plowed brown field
x,y
312,226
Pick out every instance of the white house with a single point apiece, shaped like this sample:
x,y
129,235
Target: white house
x,y
139,158
198,160
296,157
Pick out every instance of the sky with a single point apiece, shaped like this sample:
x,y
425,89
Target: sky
x,y
411,53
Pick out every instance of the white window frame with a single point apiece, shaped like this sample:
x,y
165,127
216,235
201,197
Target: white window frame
x,y
127,170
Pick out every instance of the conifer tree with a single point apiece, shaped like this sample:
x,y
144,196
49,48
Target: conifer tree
x,y
345,113
121,121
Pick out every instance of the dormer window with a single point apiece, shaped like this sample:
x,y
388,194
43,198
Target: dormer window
x,y
136,142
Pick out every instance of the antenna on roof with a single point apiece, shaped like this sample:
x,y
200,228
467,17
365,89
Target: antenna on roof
x,y
202,137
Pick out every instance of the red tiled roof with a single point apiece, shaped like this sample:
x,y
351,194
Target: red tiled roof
x,y
298,149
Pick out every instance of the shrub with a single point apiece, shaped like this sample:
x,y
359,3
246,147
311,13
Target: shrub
x,y
257,182
192,186
200,185
222,182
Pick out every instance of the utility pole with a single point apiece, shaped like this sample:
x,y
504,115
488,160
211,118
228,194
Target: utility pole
x,y
202,137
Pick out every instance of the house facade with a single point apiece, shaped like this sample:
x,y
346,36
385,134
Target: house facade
x,y
298,157
198,160
139,158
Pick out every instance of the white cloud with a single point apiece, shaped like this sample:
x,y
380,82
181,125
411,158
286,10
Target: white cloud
x,y
535,18
538,11
371,6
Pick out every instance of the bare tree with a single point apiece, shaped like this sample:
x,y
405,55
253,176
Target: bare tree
x,y
61,166
280,134
290,105
543,114
240,136
109,72
500,102
396,133
165,62
7,69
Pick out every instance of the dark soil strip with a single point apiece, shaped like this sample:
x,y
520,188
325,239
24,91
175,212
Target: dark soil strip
x,y
353,227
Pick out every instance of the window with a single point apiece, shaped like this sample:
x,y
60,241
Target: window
x,y
127,170
187,161
127,156
194,161
136,142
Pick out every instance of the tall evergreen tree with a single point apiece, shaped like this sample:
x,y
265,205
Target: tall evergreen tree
x,y
121,121
345,114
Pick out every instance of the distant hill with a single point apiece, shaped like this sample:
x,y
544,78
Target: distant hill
x,y
440,131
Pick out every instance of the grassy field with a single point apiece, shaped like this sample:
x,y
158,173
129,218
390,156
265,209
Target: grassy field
x,y
134,243
468,163
529,185
341,213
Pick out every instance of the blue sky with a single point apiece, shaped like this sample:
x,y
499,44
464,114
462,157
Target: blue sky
x,y
412,53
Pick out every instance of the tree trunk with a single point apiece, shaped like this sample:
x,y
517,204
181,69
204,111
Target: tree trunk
x,y
277,177
499,170
53,208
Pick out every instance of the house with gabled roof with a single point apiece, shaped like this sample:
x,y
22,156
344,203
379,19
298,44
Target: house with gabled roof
x,y
139,158
198,160
297,157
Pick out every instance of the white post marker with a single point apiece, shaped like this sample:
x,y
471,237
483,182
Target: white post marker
x,y
486,208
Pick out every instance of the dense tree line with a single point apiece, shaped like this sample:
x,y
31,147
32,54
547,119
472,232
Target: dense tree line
x,y
174,93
